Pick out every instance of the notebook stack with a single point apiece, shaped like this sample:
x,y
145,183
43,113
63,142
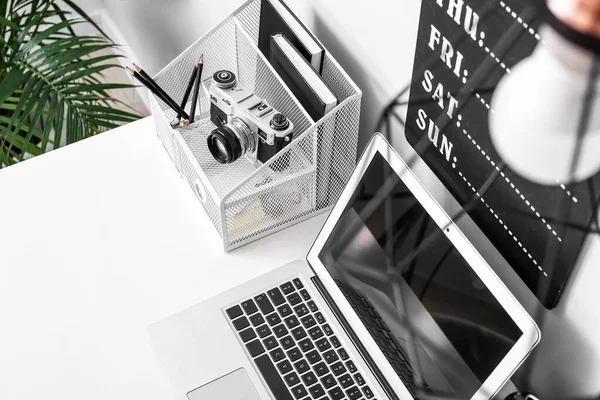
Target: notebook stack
x,y
296,56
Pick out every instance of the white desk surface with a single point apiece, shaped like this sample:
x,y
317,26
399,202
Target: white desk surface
x,y
97,241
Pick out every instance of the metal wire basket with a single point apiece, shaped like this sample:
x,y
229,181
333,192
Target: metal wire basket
x,y
246,201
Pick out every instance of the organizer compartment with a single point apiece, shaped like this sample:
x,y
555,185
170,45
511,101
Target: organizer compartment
x,y
245,200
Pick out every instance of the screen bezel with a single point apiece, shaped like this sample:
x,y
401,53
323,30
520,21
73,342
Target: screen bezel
x,y
531,333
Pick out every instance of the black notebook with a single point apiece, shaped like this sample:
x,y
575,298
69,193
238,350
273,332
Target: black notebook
x,y
276,17
304,82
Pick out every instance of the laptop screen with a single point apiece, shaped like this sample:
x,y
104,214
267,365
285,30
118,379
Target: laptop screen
x,y
415,293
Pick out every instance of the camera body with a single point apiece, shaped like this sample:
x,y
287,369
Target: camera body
x,y
246,124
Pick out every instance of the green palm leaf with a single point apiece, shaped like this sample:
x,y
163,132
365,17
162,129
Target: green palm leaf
x,y
51,84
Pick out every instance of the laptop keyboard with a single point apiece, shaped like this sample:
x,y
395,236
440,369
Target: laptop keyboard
x,y
294,347
382,336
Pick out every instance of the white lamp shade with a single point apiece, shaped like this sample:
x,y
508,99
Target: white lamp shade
x,y
537,112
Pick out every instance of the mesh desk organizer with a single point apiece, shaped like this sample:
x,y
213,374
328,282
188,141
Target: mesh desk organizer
x,y
247,201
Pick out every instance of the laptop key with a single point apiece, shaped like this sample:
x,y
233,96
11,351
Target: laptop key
x,y
343,354
306,345
305,295
315,333
374,313
316,391
313,307
263,331
298,333
327,329
309,378
292,379
264,304
292,321
301,366
272,378
241,323
257,319
287,288
234,312
368,392
287,342
354,393
284,310
338,368
313,357
277,354
294,354
320,318
276,296
328,381
351,367
294,299
270,343
346,381
335,341
247,335
298,283
298,392
249,307
321,369
308,321
255,348
273,319
301,310
284,367
330,356
336,393
323,344
359,379
280,330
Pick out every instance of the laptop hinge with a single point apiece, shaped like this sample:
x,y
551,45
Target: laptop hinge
x,y
361,349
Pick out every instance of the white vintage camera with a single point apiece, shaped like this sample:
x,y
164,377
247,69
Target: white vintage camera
x,y
246,124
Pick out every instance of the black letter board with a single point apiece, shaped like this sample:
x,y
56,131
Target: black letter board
x,y
464,48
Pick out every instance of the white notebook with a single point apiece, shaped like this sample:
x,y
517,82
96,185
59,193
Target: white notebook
x,y
276,17
304,82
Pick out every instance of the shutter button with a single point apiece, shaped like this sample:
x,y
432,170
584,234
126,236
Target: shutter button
x,y
279,122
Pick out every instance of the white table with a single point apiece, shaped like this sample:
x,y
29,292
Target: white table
x,y
97,241
102,238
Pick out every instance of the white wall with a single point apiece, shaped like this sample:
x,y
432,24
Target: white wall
x,y
374,40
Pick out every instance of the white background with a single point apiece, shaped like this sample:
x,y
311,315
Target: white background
x,y
374,41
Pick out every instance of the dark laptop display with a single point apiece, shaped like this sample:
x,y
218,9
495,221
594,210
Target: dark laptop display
x,y
415,293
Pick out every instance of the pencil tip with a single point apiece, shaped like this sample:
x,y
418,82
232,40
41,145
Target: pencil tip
x,y
201,60
137,67
130,70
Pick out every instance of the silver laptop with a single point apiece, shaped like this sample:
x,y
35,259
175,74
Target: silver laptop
x,y
392,302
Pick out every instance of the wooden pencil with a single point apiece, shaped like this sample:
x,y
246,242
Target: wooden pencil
x,y
196,88
140,79
180,112
190,85
151,88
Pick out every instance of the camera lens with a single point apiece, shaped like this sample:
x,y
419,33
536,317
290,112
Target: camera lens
x,y
224,79
223,145
222,149
229,142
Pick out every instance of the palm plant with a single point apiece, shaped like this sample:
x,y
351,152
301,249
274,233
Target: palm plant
x,y
51,92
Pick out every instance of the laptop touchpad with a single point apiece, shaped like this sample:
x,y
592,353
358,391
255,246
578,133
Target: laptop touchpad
x,y
233,386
